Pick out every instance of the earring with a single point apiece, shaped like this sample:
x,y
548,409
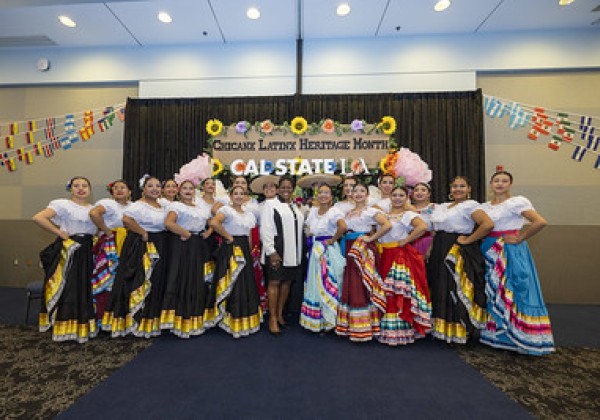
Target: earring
x,y
450,197
468,196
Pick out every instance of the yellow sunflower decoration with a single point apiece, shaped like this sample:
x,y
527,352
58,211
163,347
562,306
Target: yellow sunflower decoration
x,y
388,162
387,125
217,167
299,125
214,127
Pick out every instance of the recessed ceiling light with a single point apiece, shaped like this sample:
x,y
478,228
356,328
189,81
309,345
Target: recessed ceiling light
x,y
67,21
164,17
565,2
343,9
253,13
441,5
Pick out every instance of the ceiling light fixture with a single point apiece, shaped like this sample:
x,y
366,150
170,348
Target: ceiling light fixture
x,y
565,2
442,5
164,17
253,13
343,9
67,21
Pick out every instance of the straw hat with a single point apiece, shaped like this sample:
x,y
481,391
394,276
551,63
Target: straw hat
x,y
308,181
258,184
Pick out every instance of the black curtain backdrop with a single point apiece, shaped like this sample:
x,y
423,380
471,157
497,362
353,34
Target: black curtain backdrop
x,y
445,129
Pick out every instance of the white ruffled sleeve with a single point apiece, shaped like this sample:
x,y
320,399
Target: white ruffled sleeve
x,y
226,210
134,211
519,204
335,214
408,217
470,207
60,207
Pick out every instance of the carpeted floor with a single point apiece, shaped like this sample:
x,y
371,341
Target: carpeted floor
x,y
41,378
564,385
299,375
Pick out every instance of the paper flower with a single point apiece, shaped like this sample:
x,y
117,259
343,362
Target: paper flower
x,y
328,126
266,126
410,166
387,125
239,167
357,167
195,170
242,127
357,126
298,125
214,127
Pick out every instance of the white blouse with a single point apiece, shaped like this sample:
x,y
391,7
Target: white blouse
x,y
237,224
363,221
113,212
323,225
455,219
384,203
72,217
401,226
164,202
251,205
344,206
150,218
507,215
191,218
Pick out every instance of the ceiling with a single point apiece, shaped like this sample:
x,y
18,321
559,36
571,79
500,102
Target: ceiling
x,y
31,23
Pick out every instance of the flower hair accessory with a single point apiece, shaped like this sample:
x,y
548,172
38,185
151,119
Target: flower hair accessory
x,y
109,187
69,185
411,167
143,179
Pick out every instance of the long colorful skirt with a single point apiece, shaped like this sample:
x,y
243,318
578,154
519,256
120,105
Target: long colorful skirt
x,y
423,243
67,303
322,285
363,297
233,300
106,252
518,318
190,271
131,286
408,305
456,277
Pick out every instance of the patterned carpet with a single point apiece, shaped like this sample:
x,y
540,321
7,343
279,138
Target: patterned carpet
x,y
564,385
41,378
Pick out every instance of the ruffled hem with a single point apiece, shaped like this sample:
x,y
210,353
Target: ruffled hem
x,y
241,327
450,332
359,324
118,327
71,330
395,331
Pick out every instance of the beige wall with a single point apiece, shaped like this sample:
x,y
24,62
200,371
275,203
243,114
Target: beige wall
x,y
30,188
564,191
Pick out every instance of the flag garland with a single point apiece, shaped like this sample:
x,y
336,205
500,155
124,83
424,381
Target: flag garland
x,y
557,127
74,126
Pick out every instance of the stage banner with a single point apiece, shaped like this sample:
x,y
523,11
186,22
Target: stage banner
x,y
301,149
